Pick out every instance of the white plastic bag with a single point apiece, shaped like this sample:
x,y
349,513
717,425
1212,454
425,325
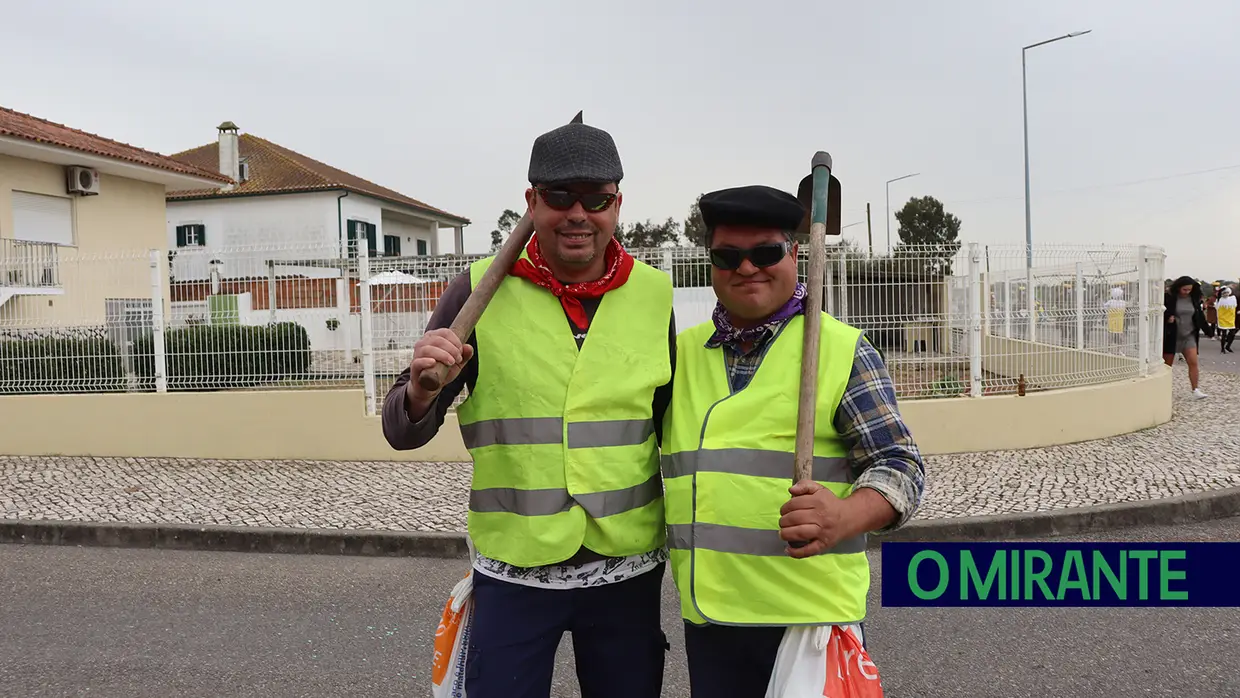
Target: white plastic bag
x,y
452,637
824,660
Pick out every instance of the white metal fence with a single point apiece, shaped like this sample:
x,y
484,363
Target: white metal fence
x,y
967,322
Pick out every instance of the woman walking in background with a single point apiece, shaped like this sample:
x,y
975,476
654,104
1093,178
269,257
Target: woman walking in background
x,y
1183,320
1226,307
1211,314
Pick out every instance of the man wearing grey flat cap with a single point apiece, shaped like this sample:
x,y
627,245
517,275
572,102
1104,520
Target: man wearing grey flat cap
x,y
566,503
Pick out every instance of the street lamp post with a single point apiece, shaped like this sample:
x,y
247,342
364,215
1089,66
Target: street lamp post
x,y
1025,107
889,206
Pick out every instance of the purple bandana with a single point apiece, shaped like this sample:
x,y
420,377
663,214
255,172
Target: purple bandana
x,y
726,332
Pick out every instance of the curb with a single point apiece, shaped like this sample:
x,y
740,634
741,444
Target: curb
x,y
246,539
1191,508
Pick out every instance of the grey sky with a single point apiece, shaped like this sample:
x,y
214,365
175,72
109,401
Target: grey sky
x,y
442,100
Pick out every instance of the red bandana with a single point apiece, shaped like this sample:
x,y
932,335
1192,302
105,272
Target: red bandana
x,y
619,264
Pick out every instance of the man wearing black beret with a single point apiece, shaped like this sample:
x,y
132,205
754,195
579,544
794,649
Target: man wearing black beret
x,y
751,556
566,503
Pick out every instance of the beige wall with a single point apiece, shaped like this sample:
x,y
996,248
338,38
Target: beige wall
x,y
1051,366
109,258
330,424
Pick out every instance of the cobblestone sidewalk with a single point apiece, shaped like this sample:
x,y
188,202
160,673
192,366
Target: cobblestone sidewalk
x,y
1198,450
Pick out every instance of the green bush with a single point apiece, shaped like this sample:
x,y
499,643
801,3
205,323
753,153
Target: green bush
x,y
217,357
68,361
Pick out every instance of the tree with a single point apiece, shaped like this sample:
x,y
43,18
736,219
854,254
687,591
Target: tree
x,y
503,228
929,232
649,234
695,227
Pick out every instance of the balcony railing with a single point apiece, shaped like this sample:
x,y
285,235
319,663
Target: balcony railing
x,y
29,264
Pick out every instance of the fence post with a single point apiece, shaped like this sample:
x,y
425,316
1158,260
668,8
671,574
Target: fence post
x,y
157,323
828,282
368,351
271,289
1080,306
1007,303
1031,300
987,306
843,285
975,321
1143,300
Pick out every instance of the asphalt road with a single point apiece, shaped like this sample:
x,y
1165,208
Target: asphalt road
x,y
117,622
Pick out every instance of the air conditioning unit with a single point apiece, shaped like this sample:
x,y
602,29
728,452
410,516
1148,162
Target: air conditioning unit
x,y
82,180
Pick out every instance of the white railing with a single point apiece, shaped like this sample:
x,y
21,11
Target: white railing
x,y
968,322
29,264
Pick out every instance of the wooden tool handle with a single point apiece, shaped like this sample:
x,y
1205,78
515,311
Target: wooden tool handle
x,y
479,298
808,398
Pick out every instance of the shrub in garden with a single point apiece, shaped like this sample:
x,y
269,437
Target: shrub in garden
x,y
73,360
214,357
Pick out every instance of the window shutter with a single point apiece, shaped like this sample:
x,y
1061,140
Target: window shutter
x,y
41,218
181,235
202,235
352,239
372,244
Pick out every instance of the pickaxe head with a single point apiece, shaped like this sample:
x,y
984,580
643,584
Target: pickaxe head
x,y
805,194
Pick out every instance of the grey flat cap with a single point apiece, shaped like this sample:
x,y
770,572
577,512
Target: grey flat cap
x,y
575,152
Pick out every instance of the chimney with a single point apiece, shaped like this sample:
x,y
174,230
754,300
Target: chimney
x,y
230,151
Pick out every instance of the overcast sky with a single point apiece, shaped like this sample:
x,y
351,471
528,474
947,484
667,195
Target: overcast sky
x,y
441,101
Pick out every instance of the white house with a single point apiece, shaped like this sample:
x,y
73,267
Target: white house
x,y
289,207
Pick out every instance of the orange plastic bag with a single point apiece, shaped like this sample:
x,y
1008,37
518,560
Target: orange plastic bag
x,y
850,673
452,639
827,661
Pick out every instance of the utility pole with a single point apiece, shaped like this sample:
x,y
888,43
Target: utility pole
x,y
868,230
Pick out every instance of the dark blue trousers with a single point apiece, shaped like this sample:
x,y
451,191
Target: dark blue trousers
x,y
727,661
618,643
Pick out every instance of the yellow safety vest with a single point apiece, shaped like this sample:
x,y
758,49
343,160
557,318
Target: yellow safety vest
x,y
1115,319
727,466
563,439
1227,317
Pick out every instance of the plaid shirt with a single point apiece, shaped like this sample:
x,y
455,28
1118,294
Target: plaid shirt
x,y
885,458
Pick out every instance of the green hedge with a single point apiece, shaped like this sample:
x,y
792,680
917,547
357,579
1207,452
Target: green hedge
x,y
68,362
217,357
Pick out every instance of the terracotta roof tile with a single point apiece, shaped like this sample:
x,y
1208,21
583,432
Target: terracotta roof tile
x,y
274,169
31,128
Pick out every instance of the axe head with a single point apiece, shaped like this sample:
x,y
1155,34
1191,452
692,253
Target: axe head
x,y
805,194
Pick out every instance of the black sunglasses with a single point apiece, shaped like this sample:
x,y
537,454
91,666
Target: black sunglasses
x,y
765,255
594,202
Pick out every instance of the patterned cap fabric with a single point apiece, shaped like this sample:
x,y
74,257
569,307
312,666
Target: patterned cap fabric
x,y
575,152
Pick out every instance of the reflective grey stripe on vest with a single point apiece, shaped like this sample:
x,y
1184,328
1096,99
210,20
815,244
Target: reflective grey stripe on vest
x,y
743,541
550,430
620,432
758,463
518,430
523,502
554,501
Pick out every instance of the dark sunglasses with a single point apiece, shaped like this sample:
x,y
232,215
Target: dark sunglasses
x,y
594,202
766,255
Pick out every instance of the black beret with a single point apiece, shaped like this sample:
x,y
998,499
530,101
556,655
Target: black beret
x,y
757,206
575,152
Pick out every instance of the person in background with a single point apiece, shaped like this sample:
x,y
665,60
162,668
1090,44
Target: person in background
x,y
1226,306
1211,314
1183,320
1115,309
